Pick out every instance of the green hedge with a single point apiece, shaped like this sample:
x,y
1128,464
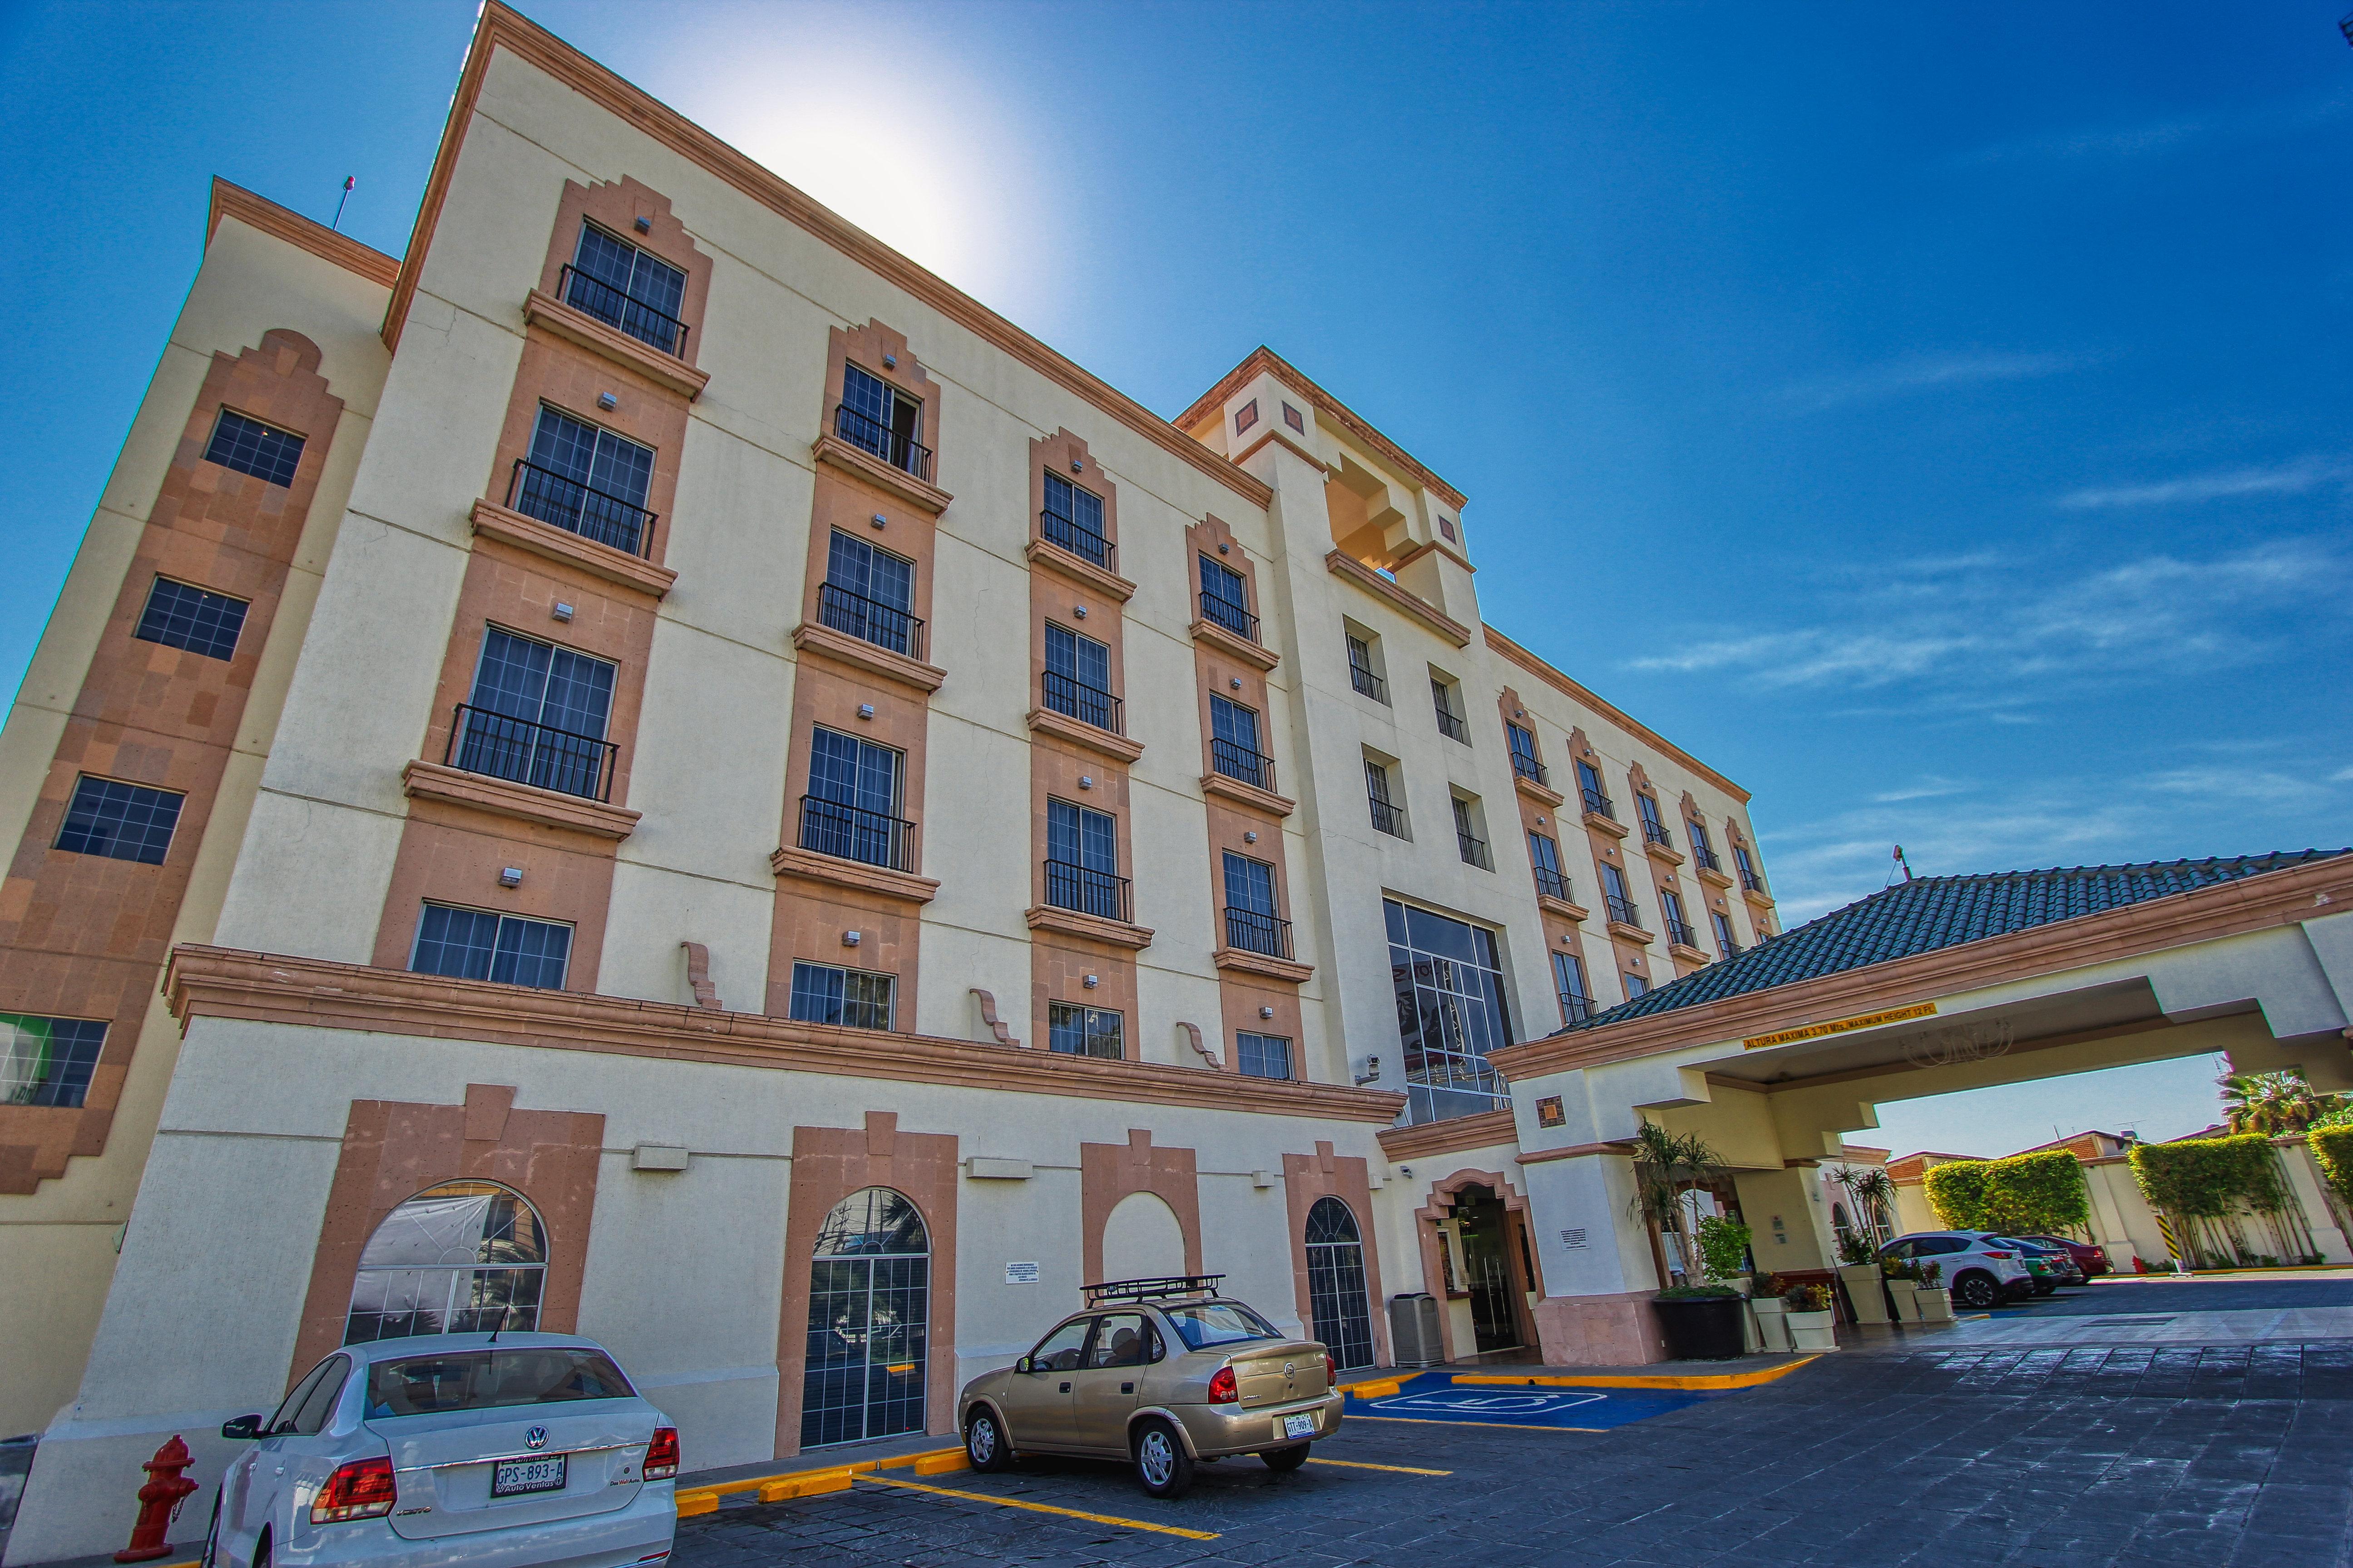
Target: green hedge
x,y
2206,1178
2039,1193
2332,1149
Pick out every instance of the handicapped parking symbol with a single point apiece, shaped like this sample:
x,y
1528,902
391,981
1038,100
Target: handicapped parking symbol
x,y
1464,1402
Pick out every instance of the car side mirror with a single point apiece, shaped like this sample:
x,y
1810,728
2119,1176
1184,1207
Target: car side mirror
x,y
1025,1364
244,1428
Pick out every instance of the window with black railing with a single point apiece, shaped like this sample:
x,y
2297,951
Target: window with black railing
x,y
1588,785
856,833
1653,830
1617,897
1749,880
1703,858
867,593
1252,923
851,811
1360,672
1225,600
1087,704
502,746
537,717
627,287
1077,679
1681,934
1670,907
1524,755
1387,816
876,418
585,481
1544,854
1473,848
1087,890
869,620
1723,939
1568,979
1073,521
1083,861
1233,745
1450,722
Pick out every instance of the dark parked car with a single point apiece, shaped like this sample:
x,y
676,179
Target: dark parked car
x,y
2052,1267
2092,1260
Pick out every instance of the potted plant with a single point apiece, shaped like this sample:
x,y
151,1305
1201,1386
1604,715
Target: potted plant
x,y
1724,1254
1903,1287
1858,1271
1772,1313
1934,1301
1703,1322
1810,1318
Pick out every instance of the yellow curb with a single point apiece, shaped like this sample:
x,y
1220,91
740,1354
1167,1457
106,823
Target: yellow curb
x,y
1372,1390
691,1504
942,1463
807,1483
1393,1470
1716,1380
1046,1508
792,1483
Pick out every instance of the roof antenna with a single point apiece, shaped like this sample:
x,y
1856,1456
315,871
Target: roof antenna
x,y
349,181
504,1312
1904,863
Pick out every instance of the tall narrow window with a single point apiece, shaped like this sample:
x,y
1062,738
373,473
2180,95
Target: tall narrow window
x,y
1225,599
1361,674
1543,854
1387,816
1450,1012
120,821
1678,931
870,1318
848,998
1079,1031
1524,753
1653,830
587,480
1083,861
875,416
627,288
1618,897
868,594
1749,880
1450,722
1473,848
1234,743
481,944
1723,939
47,1061
1588,785
1568,979
851,810
1636,985
1338,1309
1077,679
1074,520
1251,922
268,453
1703,851
178,616
537,717
1262,1056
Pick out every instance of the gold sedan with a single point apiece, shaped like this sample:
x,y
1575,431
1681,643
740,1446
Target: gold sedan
x,y
1161,1372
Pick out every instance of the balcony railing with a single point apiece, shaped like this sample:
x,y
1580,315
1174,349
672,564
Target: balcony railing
x,y
1703,858
1474,850
894,447
1599,804
1681,934
1371,685
1254,932
521,750
1085,704
1387,819
1076,537
579,509
1553,885
869,620
1733,949
1451,725
1069,886
1221,611
1530,769
1622,911
854,833
1656,833
619,307
1575,1009
1239,762
1751,882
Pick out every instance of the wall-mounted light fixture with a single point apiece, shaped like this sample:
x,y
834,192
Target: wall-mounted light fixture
x,y
1266,1012
562,612
645,224
890,361
607,402
1235,681
1251,837
880,521
852,938
1086,781
1224,549
866,711
1078,465
511,877
1090,983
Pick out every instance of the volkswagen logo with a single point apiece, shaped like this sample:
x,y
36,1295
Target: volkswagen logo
x,y
535,1439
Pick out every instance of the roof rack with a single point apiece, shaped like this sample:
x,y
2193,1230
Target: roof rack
x,y
1149,1289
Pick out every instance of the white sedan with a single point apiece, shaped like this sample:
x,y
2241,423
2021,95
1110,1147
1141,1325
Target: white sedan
x,y
455,1451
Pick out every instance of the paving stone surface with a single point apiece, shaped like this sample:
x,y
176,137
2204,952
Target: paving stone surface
x,y
2086,1457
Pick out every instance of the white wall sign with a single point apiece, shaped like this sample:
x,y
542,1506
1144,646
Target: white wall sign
x,y
1021,1274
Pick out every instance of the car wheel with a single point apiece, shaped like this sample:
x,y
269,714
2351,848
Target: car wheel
x,y
261,1553
1281,1460
1976,1291
985,1443
1163,1468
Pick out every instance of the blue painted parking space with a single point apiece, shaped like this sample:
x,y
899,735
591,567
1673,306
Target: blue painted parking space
x,y
1435,1397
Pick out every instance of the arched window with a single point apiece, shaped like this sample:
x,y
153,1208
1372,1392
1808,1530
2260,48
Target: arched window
x,y
1336,1302
462,1258
868,1320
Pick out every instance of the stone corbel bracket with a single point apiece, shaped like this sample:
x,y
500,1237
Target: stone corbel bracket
x,y
1193,1034
698,975
988,1016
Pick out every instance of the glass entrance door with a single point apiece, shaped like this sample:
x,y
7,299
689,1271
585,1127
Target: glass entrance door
x,y
1479,1220
868,1321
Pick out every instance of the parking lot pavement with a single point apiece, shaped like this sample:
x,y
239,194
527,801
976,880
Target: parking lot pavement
x,y
2124,1456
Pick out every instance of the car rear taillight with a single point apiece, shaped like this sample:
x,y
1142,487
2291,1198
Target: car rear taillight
x,y
361,1489
661,1455
2099,1254
2003,1255
1331,1370
1221,1387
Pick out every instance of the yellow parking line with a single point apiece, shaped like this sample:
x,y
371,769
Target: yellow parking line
x,y
1512,1426
792,1483
1046,1508
1395,1469
1718,1380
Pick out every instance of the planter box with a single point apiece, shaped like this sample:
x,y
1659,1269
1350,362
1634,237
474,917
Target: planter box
x,y
1772,1323
1702,1328
1935,1306
1907,1303
1811,1332
1866,1291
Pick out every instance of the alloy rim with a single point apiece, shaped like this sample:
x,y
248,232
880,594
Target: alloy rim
x,y
1154,1455
984,1439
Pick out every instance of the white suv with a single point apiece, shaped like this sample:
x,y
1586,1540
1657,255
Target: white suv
x,y
1980,1268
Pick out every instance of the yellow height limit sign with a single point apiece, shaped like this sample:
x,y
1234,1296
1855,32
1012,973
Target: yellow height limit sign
x,y
1839,1026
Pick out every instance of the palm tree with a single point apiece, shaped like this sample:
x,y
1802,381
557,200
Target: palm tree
x,y
2271,1103
1667,1165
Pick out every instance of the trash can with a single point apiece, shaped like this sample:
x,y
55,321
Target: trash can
x,y
1413,1328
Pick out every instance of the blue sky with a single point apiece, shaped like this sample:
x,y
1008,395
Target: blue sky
x,y
1939,424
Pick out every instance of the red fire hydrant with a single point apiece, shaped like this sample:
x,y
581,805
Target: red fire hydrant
x,y
159,1502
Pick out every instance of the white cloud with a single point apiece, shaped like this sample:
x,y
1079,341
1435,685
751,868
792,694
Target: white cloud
x,y
1902,377
2285,478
